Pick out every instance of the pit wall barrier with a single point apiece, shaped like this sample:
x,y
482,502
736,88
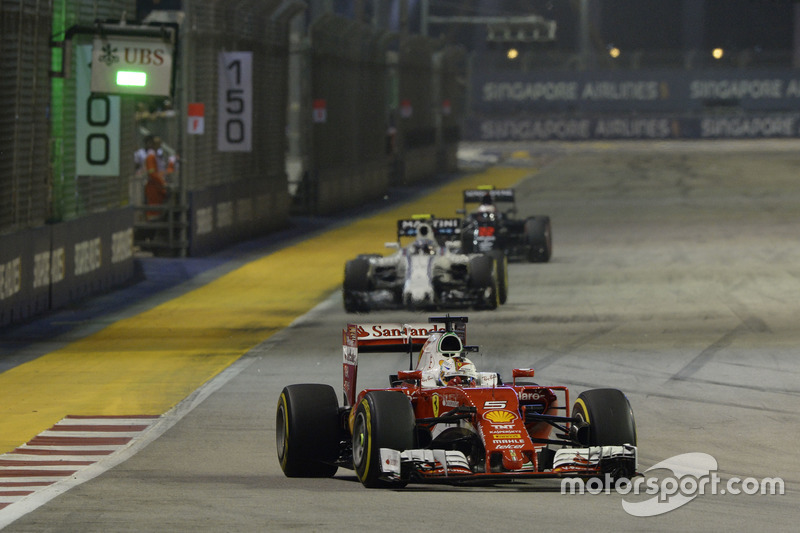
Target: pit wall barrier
x,y
224,214
419,164
48,267
342,188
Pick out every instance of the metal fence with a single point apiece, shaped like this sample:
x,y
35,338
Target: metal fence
x,y
25,96
450,98
235,194
216,26
415,116
377,109
345,106
66,233
75,195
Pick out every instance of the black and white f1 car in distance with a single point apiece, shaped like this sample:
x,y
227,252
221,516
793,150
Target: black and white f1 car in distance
x,y
428,273
492,228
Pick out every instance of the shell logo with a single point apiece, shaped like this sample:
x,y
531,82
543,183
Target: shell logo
x,y
499,416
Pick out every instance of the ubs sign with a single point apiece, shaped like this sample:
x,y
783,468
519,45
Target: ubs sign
x,y
132,65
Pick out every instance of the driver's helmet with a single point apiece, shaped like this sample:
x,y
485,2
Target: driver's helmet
x,y
440,348
458,370
424,243
488,209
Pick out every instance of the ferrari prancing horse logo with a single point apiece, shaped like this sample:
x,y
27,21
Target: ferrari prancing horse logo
x,y
435,404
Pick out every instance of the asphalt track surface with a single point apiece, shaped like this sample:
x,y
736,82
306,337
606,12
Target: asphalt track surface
x,y
675,278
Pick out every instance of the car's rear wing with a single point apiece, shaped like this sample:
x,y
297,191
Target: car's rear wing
x,y
385,337
442,227
476,196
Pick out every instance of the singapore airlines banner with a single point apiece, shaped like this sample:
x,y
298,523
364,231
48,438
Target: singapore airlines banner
x,y
641,104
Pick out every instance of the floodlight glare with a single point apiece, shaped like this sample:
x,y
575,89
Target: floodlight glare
x,y
131,79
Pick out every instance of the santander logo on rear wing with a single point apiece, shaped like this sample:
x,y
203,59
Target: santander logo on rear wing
x,y
391,334
382,337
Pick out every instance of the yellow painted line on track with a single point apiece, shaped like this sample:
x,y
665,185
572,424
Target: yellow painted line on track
x,y
148,363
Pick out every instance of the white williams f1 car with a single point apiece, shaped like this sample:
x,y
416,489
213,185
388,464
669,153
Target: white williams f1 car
x,y
429,273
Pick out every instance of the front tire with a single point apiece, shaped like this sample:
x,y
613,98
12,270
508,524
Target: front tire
x,y
383,419
609,416
356,283
307,431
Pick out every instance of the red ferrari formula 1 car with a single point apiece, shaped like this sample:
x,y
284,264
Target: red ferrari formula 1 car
x,y
445,422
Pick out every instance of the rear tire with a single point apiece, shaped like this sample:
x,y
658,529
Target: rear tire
x,y
356,280
467,242
307,431
383,419
539,238
483,276
609,415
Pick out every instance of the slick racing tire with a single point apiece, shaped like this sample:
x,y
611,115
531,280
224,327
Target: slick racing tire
x,y
356,280
307,430
501,264
539,238
482,275
467,244
383,419
609,415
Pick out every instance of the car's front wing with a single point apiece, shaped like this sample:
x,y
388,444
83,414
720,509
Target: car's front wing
x,y
447,466
388,300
